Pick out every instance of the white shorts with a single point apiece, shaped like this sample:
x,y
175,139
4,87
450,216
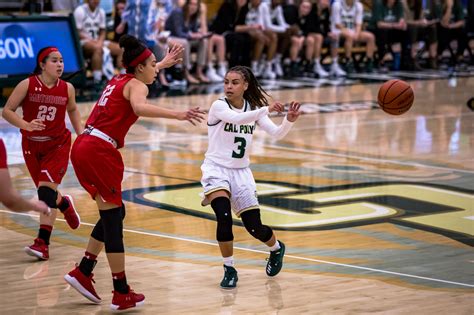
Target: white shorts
x,y
239,182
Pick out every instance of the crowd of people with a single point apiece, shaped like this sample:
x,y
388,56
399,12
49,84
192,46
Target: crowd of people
x,y
281,38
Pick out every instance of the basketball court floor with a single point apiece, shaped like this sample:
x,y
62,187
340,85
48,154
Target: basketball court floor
x,y
377,211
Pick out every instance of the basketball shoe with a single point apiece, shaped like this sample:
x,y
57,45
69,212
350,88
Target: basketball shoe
x,y
122,301
275,261
230,278
70,214
39,249
83,284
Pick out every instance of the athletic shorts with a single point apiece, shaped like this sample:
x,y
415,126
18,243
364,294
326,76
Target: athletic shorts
x,y
239,182
47,160
99,168
3,155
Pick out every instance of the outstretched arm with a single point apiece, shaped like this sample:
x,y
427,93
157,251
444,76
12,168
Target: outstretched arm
x,y
221,111
72,111
282,130
138,92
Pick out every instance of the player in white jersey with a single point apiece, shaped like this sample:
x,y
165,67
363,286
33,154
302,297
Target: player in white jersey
x,y
346,21
90,23
226,177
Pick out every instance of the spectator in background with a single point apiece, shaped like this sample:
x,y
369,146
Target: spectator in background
x,y
119,7
422,27
452,27
262,38
90,23
275,22
346,22
186,27
389,26
141,19
65,5
238,44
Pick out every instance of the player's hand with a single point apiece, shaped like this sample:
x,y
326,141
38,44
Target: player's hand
x,y
41,207
35,125
293,112
193,115
275,107
173,56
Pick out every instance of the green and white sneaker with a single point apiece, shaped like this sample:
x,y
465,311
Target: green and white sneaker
x,y
275,261
230,278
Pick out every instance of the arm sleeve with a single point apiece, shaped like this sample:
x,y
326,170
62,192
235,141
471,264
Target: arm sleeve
x,y
275,131
281,18
102,25
359,14
126,14
221,111
336,13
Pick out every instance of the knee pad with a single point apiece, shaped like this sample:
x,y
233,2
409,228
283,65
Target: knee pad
x,y
221,207
123,212
113,230
253,225
48,195
98,231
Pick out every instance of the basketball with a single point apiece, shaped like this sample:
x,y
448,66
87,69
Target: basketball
x,y
395,97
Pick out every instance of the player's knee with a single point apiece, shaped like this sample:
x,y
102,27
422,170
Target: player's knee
x,y
48,195
112,224
222,209
98,231
253,225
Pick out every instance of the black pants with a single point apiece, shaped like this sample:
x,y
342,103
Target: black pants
x,y
239,47
384,38
447,35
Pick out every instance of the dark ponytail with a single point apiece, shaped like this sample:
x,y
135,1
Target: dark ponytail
x,y
132,48
254,94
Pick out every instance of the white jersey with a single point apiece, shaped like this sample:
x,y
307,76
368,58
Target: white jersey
x,y
231,131
346,16
90,22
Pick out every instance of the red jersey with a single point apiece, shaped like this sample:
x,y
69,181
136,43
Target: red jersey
x,y
3,155
113,114
47,104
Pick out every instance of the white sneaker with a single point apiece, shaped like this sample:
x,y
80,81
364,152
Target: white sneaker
x,y
268,73
222,71
337,71
319,70
255,68
213,76
278,68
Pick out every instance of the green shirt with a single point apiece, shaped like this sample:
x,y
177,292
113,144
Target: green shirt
x,y
381,12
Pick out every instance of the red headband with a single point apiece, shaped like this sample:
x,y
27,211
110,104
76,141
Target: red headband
x,y
45,53
142,57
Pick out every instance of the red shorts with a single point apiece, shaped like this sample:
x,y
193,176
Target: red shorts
x,y
47,160
99,168
3,155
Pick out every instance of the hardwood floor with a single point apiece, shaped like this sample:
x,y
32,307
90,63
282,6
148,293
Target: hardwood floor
x,y
377,213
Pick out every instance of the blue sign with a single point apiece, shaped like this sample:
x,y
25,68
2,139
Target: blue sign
x,y
20,42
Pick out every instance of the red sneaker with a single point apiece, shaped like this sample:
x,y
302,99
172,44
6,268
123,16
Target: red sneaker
x,y
71,215
123,301
39,249
83,284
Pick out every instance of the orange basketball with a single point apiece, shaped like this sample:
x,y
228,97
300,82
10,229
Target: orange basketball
x,y
395,97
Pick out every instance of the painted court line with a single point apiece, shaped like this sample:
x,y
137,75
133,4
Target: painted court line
x,y
266,253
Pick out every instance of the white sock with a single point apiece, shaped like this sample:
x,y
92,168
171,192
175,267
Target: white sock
x,y
223,64
334,60
275,247
317,61
97,74
210,65
229,261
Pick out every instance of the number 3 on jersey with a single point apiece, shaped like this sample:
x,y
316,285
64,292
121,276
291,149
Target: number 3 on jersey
x,y
241,148
46,113
105,95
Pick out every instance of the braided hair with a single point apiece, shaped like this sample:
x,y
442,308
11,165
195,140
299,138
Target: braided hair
x,y
255,94
132,48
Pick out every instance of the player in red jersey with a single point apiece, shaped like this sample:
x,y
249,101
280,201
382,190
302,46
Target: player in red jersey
x,y
9,196
46,141
99,165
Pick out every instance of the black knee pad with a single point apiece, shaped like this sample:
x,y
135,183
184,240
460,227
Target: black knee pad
x,y
98,231
123,211
48,196
222,209
253,225
113,230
